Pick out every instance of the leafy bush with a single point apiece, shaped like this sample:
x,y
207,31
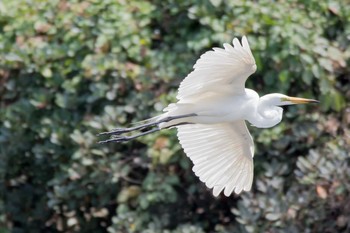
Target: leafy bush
x,y
70,69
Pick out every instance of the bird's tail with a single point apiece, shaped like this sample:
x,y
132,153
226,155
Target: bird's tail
x,y
176,110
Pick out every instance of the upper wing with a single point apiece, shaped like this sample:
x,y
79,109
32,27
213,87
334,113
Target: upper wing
x,y
220,70
222,155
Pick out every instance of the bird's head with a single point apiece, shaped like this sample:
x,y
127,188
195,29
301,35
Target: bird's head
x,y
277,99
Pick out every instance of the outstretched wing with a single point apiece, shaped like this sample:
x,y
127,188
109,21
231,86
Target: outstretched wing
x,y
222,155
220,70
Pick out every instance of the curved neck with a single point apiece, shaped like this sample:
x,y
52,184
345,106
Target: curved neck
x,y
266,115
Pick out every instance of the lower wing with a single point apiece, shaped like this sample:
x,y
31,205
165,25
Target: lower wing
x,y
222,155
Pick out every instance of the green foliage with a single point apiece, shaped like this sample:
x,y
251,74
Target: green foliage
x,y
70,69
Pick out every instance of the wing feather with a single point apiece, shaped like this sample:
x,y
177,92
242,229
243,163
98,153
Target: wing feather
x,y
222,155
215,69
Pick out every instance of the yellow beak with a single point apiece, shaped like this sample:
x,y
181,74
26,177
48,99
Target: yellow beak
x,y
297,100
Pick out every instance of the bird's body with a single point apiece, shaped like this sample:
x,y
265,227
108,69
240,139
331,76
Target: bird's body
x,y
210,116
214,109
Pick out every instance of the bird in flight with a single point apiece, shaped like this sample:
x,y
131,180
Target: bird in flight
x,y
210,114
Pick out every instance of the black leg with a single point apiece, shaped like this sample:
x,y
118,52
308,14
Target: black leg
x,y
128,138
119,138
119,131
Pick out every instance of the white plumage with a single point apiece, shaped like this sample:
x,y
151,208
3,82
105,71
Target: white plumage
x,y
222,155
217,68
213,105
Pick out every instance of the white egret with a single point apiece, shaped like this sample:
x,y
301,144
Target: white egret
x,y
213,105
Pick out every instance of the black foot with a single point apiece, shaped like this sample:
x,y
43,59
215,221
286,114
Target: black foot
x,y
116,133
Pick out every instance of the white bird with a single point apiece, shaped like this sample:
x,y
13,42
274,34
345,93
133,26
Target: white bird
x,y
213,105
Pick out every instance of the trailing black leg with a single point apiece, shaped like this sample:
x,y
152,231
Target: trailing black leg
x,y
119,131
120,138
117,137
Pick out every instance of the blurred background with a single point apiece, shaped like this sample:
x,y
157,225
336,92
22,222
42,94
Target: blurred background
x,y
70,69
